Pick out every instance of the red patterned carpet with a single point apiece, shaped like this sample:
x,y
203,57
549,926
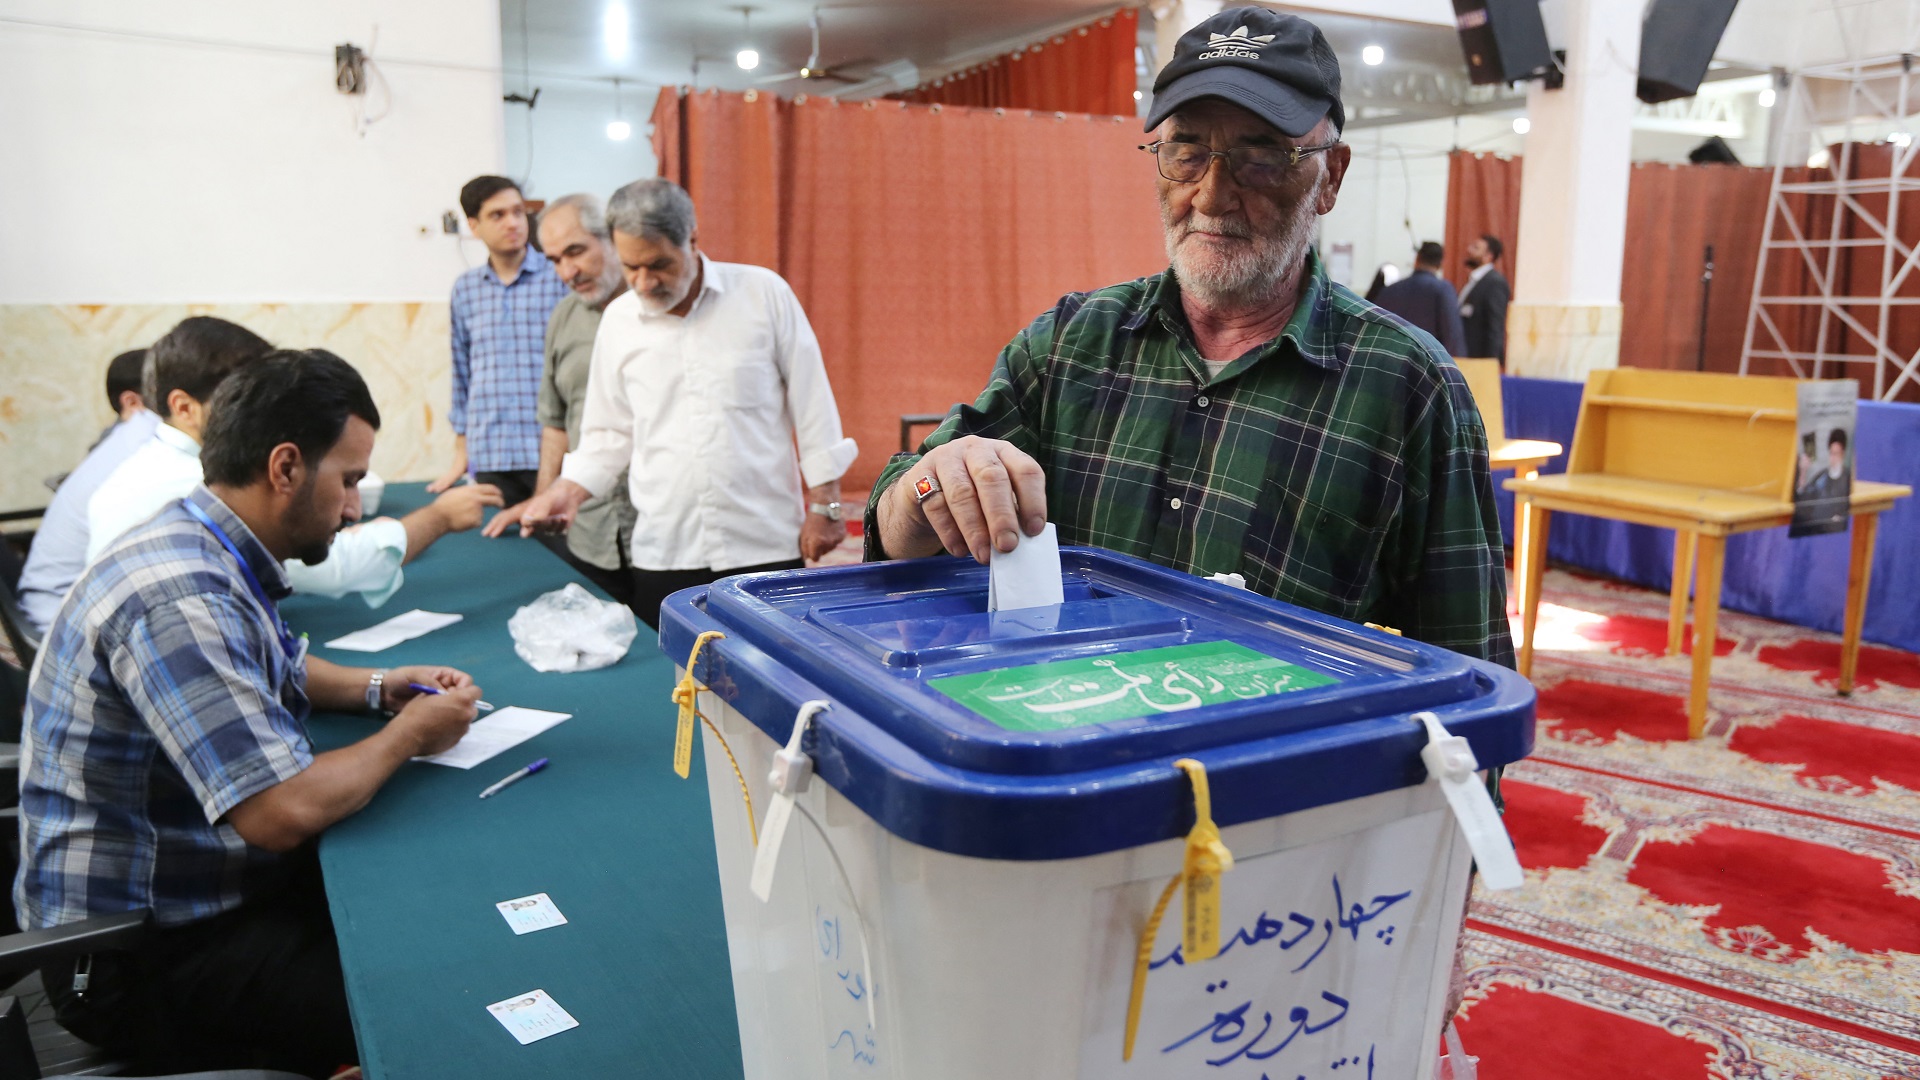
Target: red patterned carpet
x,y
1742,906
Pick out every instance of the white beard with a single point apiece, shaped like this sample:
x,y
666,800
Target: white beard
x,y
1249,274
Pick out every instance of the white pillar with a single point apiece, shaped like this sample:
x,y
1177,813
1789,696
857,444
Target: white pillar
x,y
1565,318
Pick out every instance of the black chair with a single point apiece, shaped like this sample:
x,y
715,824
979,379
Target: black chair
x,y
21,636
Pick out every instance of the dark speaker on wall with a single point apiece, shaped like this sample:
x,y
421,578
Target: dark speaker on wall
x,y
1677,41
1504,40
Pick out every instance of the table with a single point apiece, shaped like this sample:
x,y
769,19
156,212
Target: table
x,y
1709,456
624,847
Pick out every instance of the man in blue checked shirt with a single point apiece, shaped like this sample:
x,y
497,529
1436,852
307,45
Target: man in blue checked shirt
x,y
500,312
165,762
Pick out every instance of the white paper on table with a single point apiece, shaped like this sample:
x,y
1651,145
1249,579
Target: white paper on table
x,y
494,733
1028,576
532,1017
385,635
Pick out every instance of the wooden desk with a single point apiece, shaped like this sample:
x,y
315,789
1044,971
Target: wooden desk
x,y
1523,456
1707,456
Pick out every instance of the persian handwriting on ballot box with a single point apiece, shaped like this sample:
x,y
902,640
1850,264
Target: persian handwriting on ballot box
x,y
1297,930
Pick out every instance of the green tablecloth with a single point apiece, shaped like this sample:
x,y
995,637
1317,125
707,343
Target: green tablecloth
x,y
623,846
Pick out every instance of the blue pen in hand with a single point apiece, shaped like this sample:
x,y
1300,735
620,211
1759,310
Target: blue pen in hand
x,y
494,789
481,705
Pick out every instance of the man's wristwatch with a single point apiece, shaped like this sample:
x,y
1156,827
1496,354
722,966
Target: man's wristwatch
x,y
830,511
374,684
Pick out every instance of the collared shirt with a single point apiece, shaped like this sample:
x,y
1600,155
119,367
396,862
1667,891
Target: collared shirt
x,y
59,549
602,529
707,409
1473,279
497,333
1341,466
364,560
161,700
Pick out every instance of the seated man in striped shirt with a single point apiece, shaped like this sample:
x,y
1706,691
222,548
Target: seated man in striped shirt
x,y
1238,412
165,763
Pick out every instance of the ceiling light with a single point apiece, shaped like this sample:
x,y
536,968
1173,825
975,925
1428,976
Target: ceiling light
x,y
1766,98
1373,56
1901,138
616,31
1820,159
748,57
619,130
1522,125
1136,95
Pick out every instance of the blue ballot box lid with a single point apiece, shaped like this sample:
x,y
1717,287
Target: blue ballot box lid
x,y
1050,732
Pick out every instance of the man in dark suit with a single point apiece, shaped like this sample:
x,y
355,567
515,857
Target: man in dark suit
x,y
1427,300
1483,301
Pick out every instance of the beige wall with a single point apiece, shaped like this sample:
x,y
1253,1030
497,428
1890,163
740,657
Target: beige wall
x,y
53,362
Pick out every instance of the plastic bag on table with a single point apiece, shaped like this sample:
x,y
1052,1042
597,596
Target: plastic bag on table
x,y
572,630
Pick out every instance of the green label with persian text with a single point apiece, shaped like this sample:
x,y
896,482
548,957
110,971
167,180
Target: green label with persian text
x,y
1101,689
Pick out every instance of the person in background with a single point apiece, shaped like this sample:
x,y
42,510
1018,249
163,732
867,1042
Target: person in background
x,y
187,365
708,385
1427,300
165,761
1239,412
1483,300
574,229
59,550
499,314
1383,277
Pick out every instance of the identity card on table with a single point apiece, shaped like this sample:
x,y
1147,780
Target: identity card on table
x,y
530,913
489,735
532,1017
387,634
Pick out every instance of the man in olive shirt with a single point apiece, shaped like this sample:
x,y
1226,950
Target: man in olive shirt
x,y
573,231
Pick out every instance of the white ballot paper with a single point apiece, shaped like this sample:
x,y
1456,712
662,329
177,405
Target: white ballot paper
x,y
532,1017
530,913
495,732
1028,576
387,634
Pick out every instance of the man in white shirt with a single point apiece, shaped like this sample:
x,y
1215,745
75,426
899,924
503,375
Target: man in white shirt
x,y
705,378
186,366
59,551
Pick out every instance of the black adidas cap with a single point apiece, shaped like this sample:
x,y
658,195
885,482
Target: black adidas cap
x,y
1277,66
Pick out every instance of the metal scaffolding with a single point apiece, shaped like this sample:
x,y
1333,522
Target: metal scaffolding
x,y
1848,104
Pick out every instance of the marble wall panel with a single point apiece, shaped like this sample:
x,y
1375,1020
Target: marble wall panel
x,y
53,361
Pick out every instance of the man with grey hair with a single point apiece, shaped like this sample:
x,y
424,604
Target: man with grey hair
x,y
1238,412
707,381
573,233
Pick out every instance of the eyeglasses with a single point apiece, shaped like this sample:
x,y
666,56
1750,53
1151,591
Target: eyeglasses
x,y
1250,166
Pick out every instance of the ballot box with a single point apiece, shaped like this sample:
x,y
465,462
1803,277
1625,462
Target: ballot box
x,y
979,855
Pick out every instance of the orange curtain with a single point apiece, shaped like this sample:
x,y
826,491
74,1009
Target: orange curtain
x,y
918,238
725,150
1483,196
1089,69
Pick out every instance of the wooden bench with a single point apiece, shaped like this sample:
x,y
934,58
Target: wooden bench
x,y
1708,456
1523,456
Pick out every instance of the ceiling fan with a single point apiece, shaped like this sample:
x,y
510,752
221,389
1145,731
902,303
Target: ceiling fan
x,y
812,70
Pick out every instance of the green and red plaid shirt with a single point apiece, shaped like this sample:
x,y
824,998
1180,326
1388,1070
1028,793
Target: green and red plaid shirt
x,y
1341,466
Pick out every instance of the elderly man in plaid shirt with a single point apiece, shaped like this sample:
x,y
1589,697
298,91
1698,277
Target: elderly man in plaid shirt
x,y
1238,412
499,314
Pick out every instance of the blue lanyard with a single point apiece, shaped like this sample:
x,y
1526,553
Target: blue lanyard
x,y
288,643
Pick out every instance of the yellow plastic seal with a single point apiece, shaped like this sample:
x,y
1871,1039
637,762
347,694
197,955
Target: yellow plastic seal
x,y
686,695
1206,859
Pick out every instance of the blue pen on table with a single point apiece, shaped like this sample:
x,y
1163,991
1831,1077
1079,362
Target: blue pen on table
x,y
494,789
481,705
